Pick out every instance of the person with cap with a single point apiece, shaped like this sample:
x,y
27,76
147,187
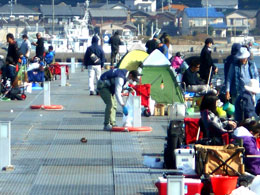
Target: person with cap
x,y
114,41
191,80
207,62
239,74
152,44
245,103
94,59
110,86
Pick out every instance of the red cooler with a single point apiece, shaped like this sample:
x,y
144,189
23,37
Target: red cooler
x,y
191,186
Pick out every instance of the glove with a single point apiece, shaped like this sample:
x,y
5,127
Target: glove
x,y
125,110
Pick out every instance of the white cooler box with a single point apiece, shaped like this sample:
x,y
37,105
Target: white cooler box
x,y
185,160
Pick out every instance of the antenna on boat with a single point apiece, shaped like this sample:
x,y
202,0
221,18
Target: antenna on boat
x,y
53,17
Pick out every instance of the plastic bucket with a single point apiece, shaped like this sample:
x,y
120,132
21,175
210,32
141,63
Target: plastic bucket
x,y
223,185
229,108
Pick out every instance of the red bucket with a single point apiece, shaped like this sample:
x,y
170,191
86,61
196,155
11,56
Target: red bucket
x,y
223,185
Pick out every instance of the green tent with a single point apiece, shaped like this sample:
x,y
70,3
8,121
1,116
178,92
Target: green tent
x,y
164,86
132,60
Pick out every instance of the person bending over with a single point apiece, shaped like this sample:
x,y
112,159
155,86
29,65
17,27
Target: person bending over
x,y
110,86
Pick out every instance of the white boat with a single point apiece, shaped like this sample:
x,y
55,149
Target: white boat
x,y
77,37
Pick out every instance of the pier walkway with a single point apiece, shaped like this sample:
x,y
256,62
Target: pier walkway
x,y
50,159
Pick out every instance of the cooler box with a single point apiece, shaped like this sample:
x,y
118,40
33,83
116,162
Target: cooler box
x,y
191,186
185,160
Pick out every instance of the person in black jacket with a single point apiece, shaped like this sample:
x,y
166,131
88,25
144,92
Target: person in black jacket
x,y
39,46
206,61
94,59
13,50
152,44
114,41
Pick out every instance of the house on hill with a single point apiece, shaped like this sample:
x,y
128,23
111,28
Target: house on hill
x,y
17,19
179,7
145,5
109,19
64,15
240,22
196,20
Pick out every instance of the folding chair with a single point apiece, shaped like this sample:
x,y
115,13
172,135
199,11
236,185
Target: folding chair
x,y
192,130
219,160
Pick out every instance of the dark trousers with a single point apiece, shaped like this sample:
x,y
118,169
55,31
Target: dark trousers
x,y
113,57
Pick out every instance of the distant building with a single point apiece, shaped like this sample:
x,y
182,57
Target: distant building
x,y
220,4
179,7
101,18
145,5
167,22
142,20
240,22
195,19
64,15
17,19
258,20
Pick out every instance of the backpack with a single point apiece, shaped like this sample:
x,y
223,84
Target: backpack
x,y
95,59
175,138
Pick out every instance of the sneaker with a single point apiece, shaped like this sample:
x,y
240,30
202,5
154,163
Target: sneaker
x,y
91,93
108,127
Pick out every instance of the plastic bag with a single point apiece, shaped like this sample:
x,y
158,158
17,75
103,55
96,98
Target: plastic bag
x,y
128,120
242,191
153,162
255,185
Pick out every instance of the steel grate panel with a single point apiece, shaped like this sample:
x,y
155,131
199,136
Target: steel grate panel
x,y
79,121
73,189
79,151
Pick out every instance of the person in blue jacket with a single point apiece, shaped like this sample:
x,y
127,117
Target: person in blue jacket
x,y
245,103
94,59
50,55
239,74
110,86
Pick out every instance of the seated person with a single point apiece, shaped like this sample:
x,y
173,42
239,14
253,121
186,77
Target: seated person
x,y
249,131
245,103
177,61
35,71
50,55
214,127
192,82
9,70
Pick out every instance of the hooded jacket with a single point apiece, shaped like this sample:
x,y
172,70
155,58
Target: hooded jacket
x,y
231,59
97,50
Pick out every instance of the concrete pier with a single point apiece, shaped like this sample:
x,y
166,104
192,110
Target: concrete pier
x,y
49,157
